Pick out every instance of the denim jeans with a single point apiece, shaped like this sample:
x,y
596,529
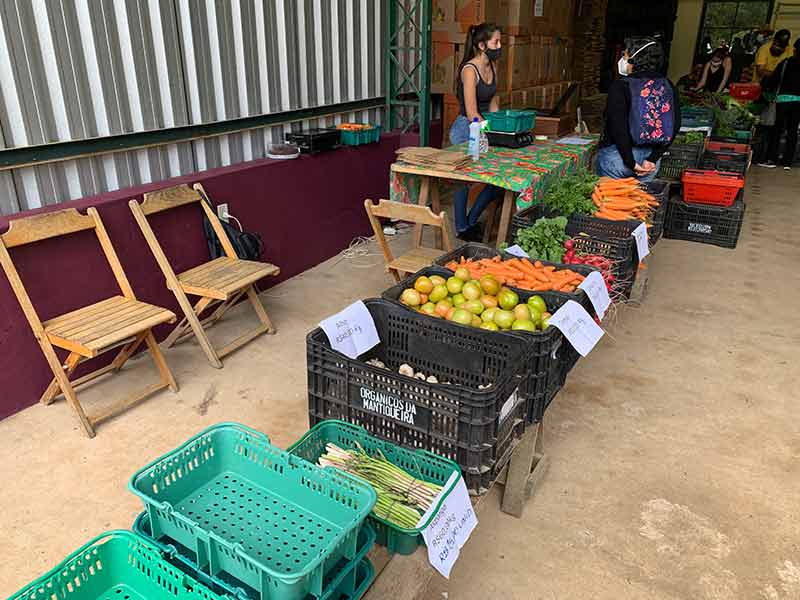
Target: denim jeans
x,y
609,163
459,133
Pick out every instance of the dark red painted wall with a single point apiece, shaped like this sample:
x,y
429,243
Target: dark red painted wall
x,y
306,210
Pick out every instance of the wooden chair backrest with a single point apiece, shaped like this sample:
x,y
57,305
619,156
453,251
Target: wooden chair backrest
x,y
50,225
172,197
166,199
422,215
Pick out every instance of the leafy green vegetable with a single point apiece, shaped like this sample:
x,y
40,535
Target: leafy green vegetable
x,y
571,194
544,239
729,114
690,137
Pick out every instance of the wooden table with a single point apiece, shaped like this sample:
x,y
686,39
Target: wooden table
x,y
429,194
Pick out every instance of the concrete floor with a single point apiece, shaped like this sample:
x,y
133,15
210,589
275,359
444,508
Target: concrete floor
x,y
675,447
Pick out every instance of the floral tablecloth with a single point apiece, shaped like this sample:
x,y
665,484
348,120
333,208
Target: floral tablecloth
x,y
528,171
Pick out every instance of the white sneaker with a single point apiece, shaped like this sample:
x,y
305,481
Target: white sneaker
x,y
767,164
787,168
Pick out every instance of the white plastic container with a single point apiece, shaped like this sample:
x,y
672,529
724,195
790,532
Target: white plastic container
x,y
474,145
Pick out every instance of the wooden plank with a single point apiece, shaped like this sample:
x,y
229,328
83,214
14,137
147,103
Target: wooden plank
x,y
160,362
94,311
127,403
427,172
73,360
170,197
78,328
158,318
216,224
519,469
111,255
424,193
204,268
242,340
45,226
250,277
123,323
380,237
259,308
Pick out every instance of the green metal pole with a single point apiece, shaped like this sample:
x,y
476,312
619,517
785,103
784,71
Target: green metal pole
x,y
425,73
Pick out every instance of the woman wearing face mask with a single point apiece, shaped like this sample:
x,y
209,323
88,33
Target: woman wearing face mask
x,y
476,89
642,114
785,84
716,73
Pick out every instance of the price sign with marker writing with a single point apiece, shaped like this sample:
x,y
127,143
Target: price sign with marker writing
x,y
352,331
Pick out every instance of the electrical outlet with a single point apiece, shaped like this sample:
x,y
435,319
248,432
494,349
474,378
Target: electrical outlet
x,y
222,212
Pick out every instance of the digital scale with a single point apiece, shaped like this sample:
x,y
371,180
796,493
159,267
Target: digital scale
x,y
519,139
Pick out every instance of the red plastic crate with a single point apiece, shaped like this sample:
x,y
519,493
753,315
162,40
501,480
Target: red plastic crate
x,y
717,146
745,91
717,188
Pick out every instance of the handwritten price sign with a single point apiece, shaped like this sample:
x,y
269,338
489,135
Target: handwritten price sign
x,y
449,525
352,331
578,327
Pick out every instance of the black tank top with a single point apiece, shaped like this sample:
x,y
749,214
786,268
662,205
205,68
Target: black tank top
x,y
715,78
484,92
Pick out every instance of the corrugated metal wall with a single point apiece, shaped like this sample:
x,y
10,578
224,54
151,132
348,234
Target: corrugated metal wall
x,y
77,69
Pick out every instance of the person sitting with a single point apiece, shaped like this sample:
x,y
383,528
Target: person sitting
x,y
690,80
642,114
476,88
716,72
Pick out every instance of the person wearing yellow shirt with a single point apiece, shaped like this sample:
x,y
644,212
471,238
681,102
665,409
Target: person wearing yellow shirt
x,y
769,56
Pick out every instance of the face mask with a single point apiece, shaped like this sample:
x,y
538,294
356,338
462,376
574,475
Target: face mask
x,y
715,63
493,54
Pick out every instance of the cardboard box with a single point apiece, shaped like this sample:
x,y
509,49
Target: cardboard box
x,y
443,67
513,69
513,16
472,12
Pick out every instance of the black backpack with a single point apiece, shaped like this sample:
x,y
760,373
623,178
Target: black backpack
x,y
248,246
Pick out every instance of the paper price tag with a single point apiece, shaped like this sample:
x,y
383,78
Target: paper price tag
x,y
449,529
517,251
578,327
642,241
352,331
538,8
595,287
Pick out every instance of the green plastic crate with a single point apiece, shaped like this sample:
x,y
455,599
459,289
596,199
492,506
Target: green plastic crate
x,y
116,565
418,463
254,511
346,582
511,121
357,138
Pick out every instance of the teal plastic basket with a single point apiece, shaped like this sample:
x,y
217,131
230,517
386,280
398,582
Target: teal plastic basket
x,y
357,138
345,582
114,566
254,511
418,463
511,121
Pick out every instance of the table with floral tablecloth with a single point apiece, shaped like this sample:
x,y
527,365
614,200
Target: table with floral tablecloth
x,y
527,171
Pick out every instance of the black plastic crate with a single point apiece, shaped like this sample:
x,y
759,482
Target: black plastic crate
x,y
526,218
544,348
660,190
474,427
478,251
677,159
729,162
314,140
704,223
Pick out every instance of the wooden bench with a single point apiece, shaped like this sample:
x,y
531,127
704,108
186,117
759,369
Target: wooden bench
x,y
219,283
117,322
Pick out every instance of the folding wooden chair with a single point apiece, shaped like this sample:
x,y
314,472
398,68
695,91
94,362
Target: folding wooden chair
x,y
419,256
117,322
219,283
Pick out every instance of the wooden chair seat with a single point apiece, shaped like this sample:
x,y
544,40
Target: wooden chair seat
x,y
91,330
417,259
224,276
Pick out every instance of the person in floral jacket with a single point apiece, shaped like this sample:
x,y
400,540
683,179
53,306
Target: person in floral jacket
x,y
642,114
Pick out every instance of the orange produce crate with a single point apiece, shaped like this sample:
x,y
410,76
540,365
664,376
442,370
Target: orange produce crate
x,y
711,187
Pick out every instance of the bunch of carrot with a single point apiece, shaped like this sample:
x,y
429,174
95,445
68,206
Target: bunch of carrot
x,y
622,200
521,273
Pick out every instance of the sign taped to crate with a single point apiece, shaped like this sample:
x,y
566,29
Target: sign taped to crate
x,y
578,327
596,289
699,228
642,241
509,406
449,529
390,406
351,331
516,250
